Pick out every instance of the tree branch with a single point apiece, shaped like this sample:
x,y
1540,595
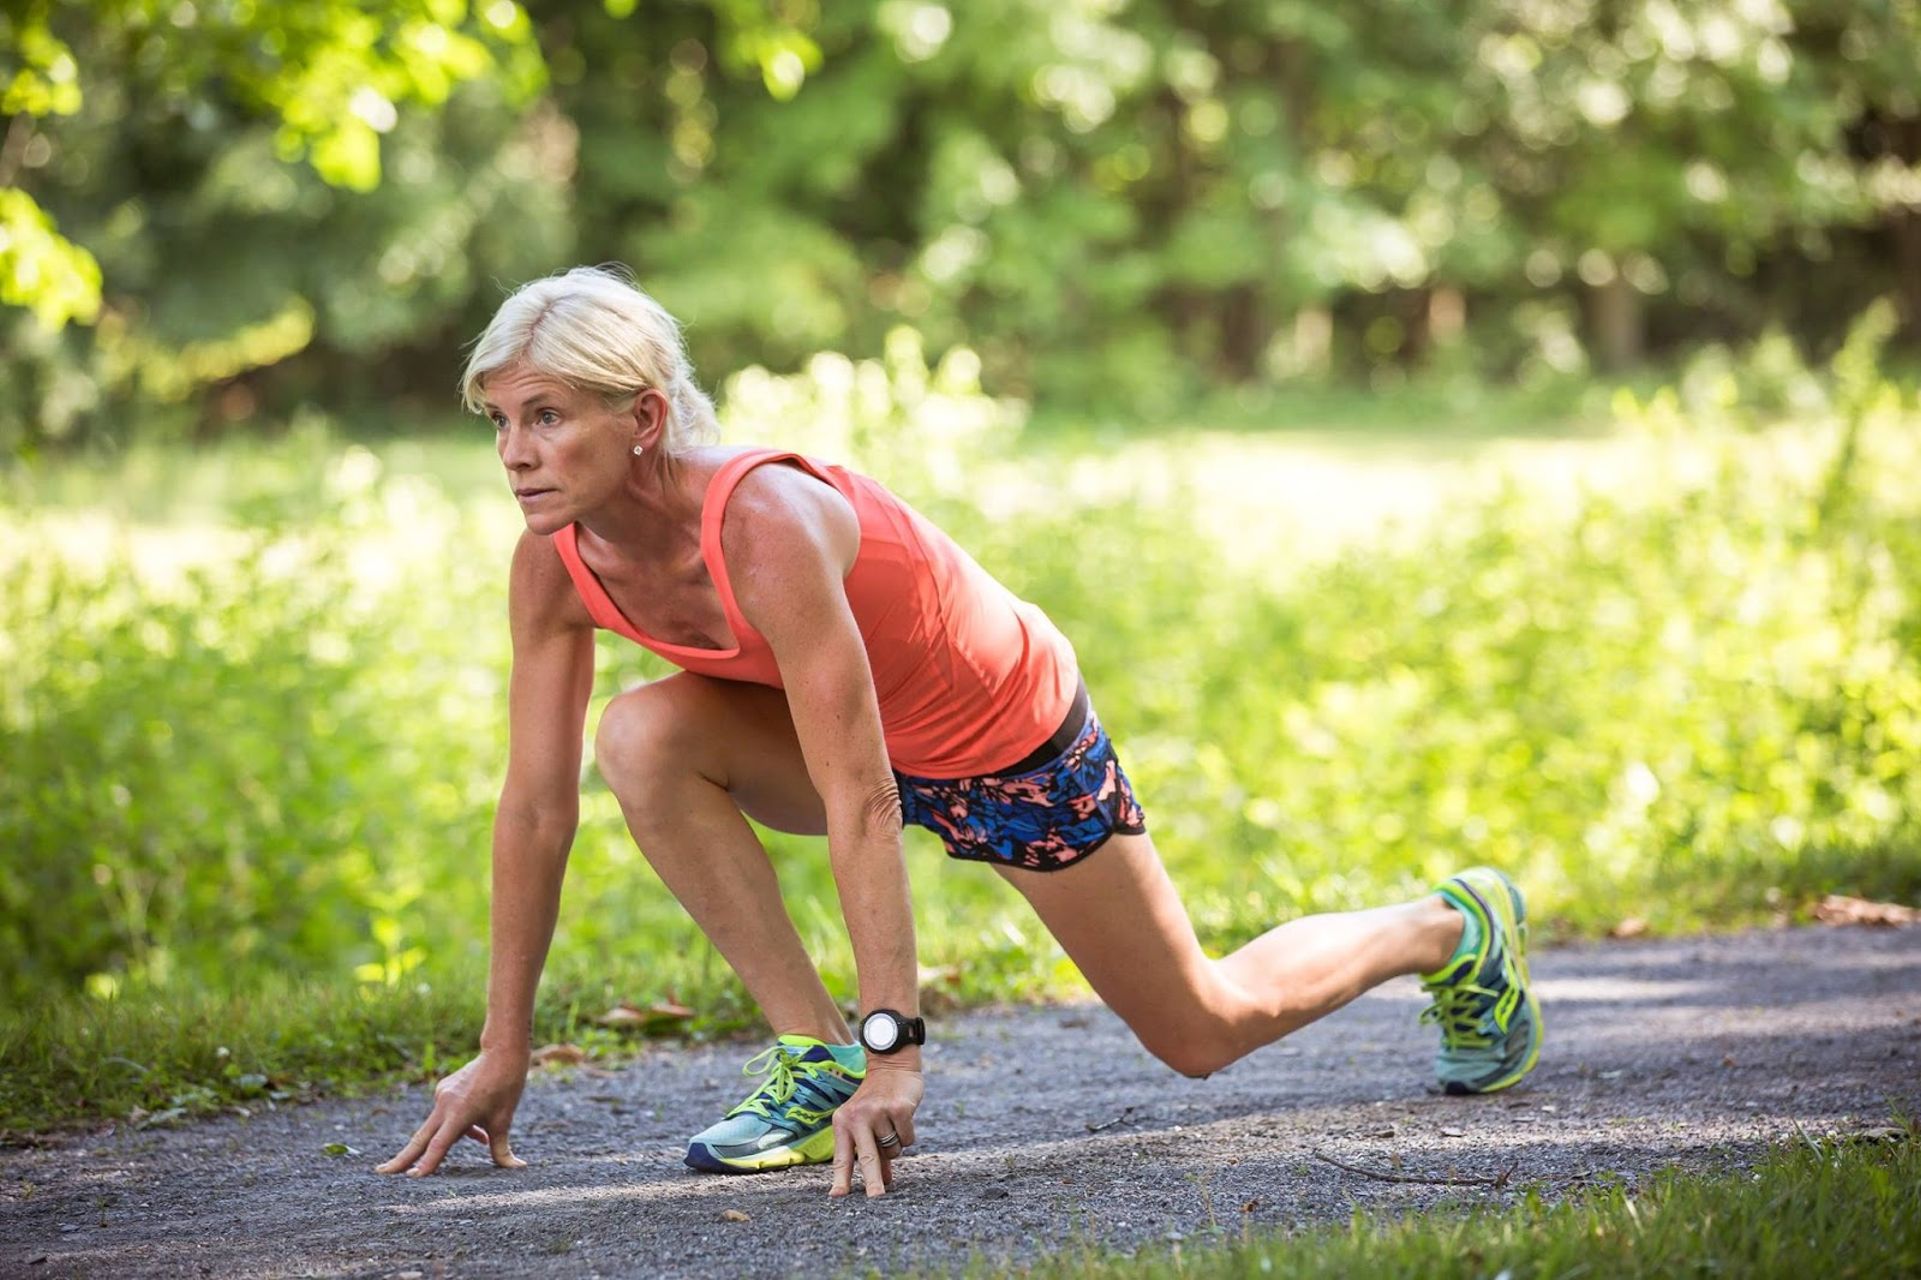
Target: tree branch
x,y
1497,1181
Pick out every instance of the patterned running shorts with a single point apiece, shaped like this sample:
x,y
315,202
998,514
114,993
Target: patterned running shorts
x,y
1041,817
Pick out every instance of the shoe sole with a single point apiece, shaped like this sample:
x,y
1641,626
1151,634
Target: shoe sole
x,y
815,1148
1511,916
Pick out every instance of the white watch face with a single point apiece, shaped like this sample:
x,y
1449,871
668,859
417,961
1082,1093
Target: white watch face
x,y
880,1032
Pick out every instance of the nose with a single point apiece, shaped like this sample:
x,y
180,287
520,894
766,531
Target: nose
x,y
516,449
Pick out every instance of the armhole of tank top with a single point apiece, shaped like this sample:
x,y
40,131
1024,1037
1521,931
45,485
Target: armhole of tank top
x,y
714,513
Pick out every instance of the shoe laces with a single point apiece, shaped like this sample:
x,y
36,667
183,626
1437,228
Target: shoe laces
x,y
1460,1009
774,1099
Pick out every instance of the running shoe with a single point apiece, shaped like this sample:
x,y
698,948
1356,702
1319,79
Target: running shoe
x,y
1489,1017
789,1119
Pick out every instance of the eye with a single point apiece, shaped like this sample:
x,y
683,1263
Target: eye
x,y
548,418
499,420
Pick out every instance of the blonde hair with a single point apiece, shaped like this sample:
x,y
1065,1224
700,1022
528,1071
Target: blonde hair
x,y
593,328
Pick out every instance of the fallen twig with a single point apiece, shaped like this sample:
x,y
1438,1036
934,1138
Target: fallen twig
x,y
1499,1180
1125,1117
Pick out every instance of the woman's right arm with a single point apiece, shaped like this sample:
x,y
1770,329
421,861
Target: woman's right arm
x,y
553,675
553,671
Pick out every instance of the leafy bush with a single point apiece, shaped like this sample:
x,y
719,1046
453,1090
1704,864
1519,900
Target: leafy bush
x,y
199,769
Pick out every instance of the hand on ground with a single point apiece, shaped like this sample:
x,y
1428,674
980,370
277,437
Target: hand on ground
x,y
475,1102
883,1106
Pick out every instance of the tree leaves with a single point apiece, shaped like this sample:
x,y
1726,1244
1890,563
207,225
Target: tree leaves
x,y
329,74
42,270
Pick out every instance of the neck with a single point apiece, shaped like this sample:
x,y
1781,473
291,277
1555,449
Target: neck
x,y
653,513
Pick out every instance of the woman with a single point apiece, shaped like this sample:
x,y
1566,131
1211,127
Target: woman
x,y
847,669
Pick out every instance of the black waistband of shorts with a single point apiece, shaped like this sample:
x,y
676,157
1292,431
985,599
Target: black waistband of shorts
x,y
1060,740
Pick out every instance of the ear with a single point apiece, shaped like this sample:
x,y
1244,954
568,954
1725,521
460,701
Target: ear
x,y
647,419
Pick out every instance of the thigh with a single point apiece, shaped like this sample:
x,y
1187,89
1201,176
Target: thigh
x,y
736,735
1118,917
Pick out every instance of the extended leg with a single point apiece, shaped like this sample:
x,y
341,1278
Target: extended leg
x,y
1119,919
686,756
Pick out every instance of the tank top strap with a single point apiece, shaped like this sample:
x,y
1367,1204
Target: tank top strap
x,y
600,605
714,509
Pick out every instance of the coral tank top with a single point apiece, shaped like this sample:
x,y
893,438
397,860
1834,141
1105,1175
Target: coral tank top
x,y
969,677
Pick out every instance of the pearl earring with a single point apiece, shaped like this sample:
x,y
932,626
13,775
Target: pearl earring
x,y
639,449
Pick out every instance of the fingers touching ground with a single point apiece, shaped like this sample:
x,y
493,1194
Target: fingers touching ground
x,y
503,1154
432,1140
405,1157
869,1142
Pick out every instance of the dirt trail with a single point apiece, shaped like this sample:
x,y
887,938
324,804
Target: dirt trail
x,y
1041,1127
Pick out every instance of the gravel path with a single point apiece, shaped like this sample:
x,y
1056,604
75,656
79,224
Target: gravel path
x,y
1042,1127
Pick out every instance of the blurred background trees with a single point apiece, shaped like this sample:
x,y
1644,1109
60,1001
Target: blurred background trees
x,y
216,211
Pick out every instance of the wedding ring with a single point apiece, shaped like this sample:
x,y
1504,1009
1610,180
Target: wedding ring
x,y
891,1140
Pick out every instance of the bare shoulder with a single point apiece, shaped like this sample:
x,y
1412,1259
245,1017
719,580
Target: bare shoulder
x,y
541,598
778,513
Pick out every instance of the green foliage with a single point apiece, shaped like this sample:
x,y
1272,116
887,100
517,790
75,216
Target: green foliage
x,y
186,148
204,743
1115,203
331,76
42,270
1111,205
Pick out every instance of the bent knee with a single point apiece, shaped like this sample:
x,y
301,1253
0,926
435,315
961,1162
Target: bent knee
x,y
1193,1051
642,733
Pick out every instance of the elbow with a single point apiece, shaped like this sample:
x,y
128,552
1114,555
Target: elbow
x,y
869,812
881,811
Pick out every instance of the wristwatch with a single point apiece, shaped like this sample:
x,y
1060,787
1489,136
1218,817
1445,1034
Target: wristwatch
x,y
884,1031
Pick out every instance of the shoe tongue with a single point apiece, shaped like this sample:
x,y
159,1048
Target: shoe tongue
x,y
807,1048
848,1057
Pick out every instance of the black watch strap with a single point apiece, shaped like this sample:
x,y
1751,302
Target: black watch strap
x,y
884,1031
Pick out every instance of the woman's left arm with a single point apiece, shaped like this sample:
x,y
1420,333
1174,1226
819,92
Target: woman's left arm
x,y
789,542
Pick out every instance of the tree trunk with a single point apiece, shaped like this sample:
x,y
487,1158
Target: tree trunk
x,y
1905,226
1446,315
1434,317
1244,333
1313,345
1616,325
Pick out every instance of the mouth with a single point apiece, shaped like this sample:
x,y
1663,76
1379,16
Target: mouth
x,y
529,494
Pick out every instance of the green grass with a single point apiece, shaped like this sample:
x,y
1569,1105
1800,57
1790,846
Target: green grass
x,y
161,1056
161,1059
1835,1209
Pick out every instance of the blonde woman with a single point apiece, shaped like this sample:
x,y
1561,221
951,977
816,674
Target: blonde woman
x,y
847,669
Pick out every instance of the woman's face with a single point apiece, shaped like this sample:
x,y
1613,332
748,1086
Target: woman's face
x,y
565,451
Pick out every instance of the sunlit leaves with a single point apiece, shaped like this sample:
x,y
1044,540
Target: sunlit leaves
x,y
1123,201
41,269
38,74
331,76
169,374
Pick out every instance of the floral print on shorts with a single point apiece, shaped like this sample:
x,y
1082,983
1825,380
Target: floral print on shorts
x,y
1044,819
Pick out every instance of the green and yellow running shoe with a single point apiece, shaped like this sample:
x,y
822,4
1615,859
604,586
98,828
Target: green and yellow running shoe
x,y
1489,1018
789,1119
